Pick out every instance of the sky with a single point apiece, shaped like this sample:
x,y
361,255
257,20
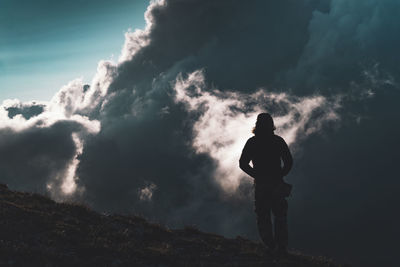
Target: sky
x,y
158,130
44,44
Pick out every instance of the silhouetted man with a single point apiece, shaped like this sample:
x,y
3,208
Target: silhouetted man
x,y
267,151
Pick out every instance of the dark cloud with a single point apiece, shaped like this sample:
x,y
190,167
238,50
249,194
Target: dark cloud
x,y
32,158
229,39
26,111
346,187
350,38
145,146
168,139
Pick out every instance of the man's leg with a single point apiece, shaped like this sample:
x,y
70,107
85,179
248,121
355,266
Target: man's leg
x,y
264,224
279,209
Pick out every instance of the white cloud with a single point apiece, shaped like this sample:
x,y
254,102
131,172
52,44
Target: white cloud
x,y
60,108
146,193
137,39
226,120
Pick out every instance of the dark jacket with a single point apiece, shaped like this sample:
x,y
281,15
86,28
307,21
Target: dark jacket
x,y
267,153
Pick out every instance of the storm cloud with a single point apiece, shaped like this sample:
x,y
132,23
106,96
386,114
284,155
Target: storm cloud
x,y
160,131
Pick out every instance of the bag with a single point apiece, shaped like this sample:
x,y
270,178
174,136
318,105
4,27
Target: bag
x,y
283,190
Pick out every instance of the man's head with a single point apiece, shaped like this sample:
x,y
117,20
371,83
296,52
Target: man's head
x,y
264,124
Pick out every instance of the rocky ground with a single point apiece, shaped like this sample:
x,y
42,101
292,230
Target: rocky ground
x,y
36,231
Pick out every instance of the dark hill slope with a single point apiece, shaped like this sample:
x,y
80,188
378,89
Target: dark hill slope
x,y
36,231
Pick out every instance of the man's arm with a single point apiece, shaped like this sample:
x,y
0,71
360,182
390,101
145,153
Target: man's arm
x,y
245,160
286,158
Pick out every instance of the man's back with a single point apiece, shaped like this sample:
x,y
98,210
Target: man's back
x,y
266,153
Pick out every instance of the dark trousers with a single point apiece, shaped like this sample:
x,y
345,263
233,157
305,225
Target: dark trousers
x,y
267,203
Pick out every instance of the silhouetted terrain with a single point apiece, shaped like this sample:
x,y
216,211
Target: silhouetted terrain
x,y
36,231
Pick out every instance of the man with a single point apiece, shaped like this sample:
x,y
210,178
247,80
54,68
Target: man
x,y
267,151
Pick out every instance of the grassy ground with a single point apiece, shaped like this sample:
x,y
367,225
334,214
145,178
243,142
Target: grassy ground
x,y
36,231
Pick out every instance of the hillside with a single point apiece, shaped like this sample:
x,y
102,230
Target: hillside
x,y
36,231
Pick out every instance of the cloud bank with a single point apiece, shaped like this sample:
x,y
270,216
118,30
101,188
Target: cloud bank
x,y
160,131
226,117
